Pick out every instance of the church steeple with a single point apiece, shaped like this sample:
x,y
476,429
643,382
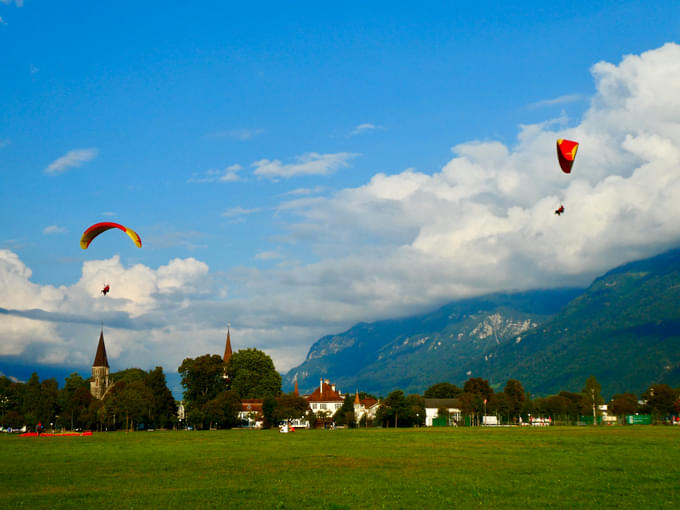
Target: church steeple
x,y
227,355
227,349
100,359
100,370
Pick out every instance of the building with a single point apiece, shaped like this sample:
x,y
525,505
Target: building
x,y
450,405
325,400
365,407
227,355
100,370
251,412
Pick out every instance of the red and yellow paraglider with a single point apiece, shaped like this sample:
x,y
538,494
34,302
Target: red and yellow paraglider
x,y
566,153
98,228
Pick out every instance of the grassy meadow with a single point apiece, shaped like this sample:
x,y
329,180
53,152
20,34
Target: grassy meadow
x,y
563,467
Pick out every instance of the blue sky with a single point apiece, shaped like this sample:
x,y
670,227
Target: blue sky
x,y
293,169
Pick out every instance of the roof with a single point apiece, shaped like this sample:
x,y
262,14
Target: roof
x,y
227,349
100,359
368,402
325,393
442,403
251,404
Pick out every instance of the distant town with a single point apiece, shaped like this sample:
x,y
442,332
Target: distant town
x,y
242,389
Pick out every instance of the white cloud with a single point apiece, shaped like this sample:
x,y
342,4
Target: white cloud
x,y
311,163
268,255
19,3
229,174
71,159
364,128
305,191
235,212
54,229
567,98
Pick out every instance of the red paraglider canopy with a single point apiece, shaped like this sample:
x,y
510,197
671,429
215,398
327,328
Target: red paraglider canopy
x,y
566,153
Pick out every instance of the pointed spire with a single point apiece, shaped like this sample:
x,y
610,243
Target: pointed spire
x,y
227,349
297,393
100,359
356,398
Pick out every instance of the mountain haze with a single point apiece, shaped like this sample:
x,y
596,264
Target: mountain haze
x,y
624,329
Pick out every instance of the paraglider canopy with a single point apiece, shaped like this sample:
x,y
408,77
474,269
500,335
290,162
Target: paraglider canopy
x,y
98,228
106,289
566,153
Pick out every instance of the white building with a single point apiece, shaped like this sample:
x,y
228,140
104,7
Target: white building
x,y
433,405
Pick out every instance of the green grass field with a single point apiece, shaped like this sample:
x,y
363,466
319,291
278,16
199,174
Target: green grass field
x,y
586,467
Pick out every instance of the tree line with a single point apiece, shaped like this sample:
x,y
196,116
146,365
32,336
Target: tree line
x,y
137,399
214,391
512,404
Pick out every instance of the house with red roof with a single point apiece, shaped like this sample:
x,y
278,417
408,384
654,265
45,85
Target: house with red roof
x,y
325,400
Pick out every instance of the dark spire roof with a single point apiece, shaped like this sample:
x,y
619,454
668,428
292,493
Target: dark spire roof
x,y
227,349
100,358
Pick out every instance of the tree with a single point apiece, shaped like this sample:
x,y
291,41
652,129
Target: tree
x,y
414,412
400,411
222,411
11,401
252,374
31,402
290,406
623,404
202,378
388,412
661,400
443,390
475,392
592,392
163,410
499,403
69,413
269,412
514,392
345,415
131,401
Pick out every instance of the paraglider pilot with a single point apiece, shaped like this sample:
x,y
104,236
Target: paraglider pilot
x,y
560,210
106,289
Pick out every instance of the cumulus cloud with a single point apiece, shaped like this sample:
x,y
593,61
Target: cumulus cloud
x,y
71,159
485,221
397,244
311,163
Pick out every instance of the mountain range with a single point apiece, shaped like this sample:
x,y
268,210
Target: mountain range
x,y
624,329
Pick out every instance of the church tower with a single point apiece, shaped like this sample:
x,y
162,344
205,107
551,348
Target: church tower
x,y
100,370
227,355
